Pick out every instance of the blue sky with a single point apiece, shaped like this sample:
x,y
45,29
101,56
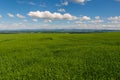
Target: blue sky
x,y
60,14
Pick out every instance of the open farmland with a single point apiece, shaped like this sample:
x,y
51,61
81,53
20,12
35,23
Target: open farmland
x,y
40,56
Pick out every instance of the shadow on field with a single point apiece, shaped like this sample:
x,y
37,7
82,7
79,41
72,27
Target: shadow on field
x,y
7,40
45,39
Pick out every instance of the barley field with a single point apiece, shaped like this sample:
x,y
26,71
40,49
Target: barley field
x,y
60,56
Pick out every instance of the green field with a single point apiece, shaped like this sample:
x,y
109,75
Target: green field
x,y
40,56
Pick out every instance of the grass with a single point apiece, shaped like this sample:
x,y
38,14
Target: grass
x,y
56,56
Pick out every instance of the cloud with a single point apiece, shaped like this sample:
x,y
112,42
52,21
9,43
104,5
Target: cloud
x,y
97,17
80,1
61,10
51,16
88,20
35,20
111,23
20,16
12,26
32,3
97,21
25,20
85,18
46,21
10,15
79,22
0,16
64,3
116,18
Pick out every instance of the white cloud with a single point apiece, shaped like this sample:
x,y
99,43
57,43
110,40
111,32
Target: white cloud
x,y
10,15
17,24
0,16
80,1
116,18
47,21
97,21
61,10
35,20
88,20
65,3
85,18
32,3
25,20
51,16
79,22
114,22
20,16
12,26
97,17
